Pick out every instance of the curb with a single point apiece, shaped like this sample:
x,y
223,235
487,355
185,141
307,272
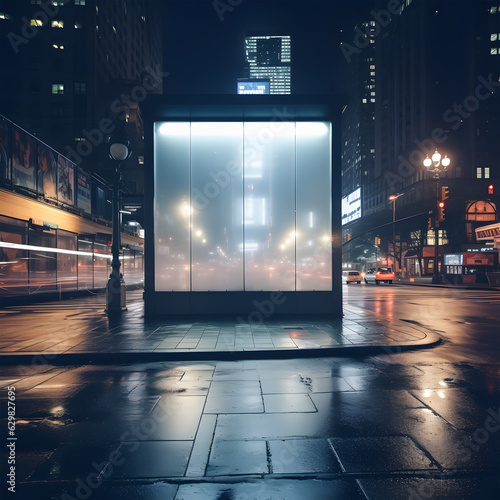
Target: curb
x,y
444,285
104,358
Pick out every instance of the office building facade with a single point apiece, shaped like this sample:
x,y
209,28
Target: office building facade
x,y
269,56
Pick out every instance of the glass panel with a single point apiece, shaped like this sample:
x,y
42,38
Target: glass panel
x,y
13,261
172,209
314,219
42,265
66,263
216,197
102,265
85,271
269,209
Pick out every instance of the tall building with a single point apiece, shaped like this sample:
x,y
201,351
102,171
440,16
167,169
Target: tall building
x,y
436,87
68,67
358,117
269,56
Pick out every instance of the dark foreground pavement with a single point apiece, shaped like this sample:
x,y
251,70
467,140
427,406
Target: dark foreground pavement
x,y
111,410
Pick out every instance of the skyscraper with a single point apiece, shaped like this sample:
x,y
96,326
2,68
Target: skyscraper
x,y
269,56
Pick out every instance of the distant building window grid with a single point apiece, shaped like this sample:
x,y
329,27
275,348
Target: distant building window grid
x,y
279,76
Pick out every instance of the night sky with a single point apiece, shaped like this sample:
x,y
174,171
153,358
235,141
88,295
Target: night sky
x,y
205,54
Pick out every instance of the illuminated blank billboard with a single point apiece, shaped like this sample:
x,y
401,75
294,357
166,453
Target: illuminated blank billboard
x,y
351,206
242,206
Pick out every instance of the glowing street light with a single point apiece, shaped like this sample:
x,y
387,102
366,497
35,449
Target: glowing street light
x,y
440,165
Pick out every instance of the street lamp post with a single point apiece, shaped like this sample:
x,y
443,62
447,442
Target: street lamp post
x,y
116,289
440,165
393,198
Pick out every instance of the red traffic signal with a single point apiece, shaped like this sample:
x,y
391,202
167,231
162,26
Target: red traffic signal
x,y
491,189
440,211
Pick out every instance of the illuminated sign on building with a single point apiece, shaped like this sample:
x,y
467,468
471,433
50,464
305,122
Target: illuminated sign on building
x,y
351,207
253,86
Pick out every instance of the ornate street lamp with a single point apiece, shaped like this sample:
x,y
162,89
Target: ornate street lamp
x,y
440,165
116,300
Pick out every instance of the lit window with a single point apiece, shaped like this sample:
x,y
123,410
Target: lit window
x,y
79,2
479,172
57,24
58,3
57,88
494,51
36,22
58,46
372,66
364,101
494,37
493,10
4,16
78,25
486,172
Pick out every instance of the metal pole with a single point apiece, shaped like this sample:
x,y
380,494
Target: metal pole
x,y
435,277
115,289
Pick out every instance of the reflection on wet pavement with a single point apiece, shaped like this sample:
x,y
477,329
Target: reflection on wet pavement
x,y
356,428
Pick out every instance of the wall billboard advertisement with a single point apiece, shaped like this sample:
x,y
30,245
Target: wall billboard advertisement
x,y
66,180
83,191
351,207
4,150
47,172
23,160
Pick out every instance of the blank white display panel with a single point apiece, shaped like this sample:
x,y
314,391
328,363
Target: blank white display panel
x,y
242,206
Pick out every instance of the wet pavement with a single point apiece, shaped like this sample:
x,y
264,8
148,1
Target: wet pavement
x,y
381,424
79,331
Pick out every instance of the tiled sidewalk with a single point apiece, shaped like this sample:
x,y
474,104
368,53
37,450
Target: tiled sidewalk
x,y
81,327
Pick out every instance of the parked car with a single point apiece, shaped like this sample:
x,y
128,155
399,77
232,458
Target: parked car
x,y
379,274
351,277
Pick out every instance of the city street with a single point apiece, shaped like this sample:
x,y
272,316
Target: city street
x,y
416,424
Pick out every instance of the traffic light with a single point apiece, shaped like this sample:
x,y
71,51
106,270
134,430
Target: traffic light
x,y
491,189
440,211
445,194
